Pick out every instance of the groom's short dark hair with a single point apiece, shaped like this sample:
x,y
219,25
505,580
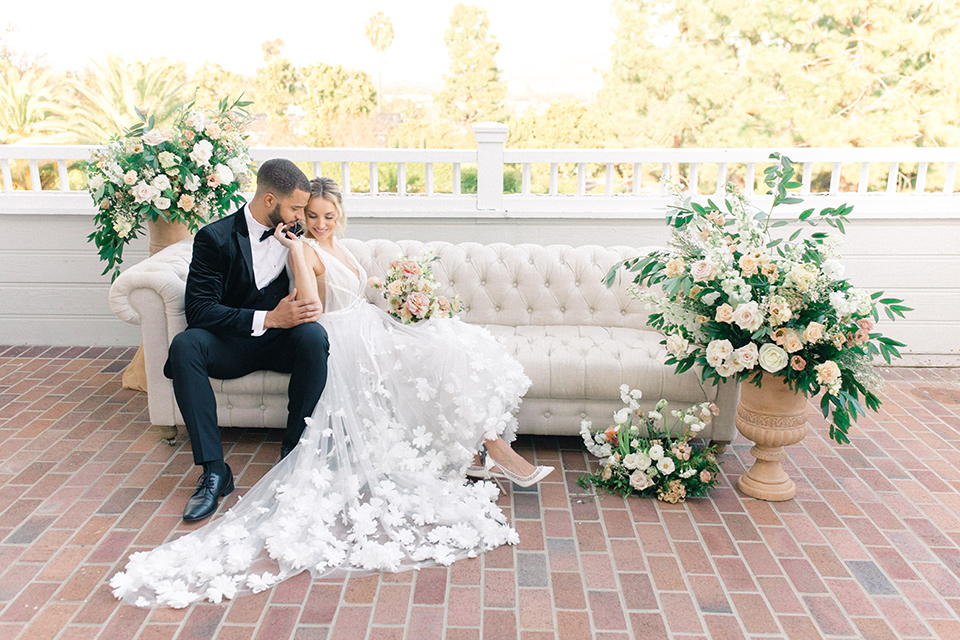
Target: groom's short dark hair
x,y
281,178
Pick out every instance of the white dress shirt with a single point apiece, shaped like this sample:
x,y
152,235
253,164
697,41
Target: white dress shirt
x,y
269,259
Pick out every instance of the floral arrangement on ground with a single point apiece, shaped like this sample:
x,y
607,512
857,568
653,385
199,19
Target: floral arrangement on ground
x,y
743,305
671,467
412,292
188,173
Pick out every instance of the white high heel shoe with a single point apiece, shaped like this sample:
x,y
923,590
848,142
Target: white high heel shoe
x,y
492,470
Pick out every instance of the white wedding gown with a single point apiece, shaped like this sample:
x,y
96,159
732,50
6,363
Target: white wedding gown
x,y
377,482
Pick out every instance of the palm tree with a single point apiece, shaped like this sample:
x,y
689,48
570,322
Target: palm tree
x,y
380,35
30,107
108,94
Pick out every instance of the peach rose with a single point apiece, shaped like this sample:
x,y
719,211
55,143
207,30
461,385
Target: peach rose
x,y
186,202
189,135
813,333
747,356
675,267
792,342
862,336
828,373
395,288
724,313
705,476
409,268
748,265
769,269
418,303
443,304
865,323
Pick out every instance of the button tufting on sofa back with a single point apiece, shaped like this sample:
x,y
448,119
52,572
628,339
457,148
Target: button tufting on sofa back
x,y
522,284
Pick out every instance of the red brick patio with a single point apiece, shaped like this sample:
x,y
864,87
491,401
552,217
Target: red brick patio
x,y
869,548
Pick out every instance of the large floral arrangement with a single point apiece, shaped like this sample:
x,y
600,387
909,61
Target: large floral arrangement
x,y
187,173
742,305
411,291
670,467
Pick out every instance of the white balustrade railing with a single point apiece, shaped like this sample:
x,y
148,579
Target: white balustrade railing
x,y
609,178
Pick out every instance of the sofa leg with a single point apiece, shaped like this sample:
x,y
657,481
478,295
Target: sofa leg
x,y
168,433
721,445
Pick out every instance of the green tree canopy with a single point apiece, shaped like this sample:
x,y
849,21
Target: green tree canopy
x,y
772,72
331,95
473,91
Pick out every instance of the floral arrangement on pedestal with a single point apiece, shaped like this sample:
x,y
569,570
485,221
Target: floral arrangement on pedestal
x,y
671,467
743,305
411,291
188,173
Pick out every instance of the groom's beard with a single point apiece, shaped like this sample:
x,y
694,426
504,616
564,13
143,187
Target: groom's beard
x,y
274,217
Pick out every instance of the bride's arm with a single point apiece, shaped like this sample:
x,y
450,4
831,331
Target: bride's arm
x,y
306,268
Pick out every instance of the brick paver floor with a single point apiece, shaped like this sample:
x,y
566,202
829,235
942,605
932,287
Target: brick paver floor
x,y
869,548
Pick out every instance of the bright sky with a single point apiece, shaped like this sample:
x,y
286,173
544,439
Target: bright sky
x,y
547,46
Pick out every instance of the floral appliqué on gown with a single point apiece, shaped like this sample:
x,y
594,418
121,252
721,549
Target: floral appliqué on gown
x,y
377,481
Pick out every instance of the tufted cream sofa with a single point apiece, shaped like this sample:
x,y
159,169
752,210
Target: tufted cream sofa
x,y
576,339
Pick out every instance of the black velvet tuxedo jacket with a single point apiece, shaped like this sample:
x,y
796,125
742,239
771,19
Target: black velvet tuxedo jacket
x,y
222,293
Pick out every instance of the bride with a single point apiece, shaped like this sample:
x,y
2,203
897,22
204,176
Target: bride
x,y
377,481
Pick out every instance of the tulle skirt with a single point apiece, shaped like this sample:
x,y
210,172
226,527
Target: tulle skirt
x,y
377,481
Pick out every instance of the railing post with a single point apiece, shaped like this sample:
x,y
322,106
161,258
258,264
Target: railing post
x,y
491,138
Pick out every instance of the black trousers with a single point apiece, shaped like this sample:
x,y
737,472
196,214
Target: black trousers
x,y
196,355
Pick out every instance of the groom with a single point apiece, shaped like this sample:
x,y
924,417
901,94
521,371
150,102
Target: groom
x,y
240,319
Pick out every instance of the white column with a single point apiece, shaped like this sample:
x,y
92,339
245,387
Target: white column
x,y
491,138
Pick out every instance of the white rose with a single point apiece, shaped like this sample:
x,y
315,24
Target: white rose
x,y
643,461
167,159
746,356
832,269
161,182
773,358
709,298
161,203
143,192
224,173
130,177
191,182
640,481
748,316
703,270
655,452
677,345
630,461
202,152
666,466
153,138
96,183
728,368
238,166
719,348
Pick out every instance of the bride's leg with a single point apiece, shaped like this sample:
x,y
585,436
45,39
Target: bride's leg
x,y
506,457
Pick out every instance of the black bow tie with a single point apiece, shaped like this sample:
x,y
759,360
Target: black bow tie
x,y
267,234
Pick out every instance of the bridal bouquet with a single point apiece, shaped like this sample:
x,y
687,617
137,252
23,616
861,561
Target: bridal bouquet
x,y
411,290
672,468
740,303
187,173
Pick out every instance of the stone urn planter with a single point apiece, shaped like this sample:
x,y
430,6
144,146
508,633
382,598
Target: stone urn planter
x,y
162,234
773,416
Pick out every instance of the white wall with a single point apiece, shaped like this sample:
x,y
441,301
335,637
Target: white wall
x,y
52,293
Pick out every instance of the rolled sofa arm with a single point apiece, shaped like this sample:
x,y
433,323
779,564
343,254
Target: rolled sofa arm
x,y
151,294
165,273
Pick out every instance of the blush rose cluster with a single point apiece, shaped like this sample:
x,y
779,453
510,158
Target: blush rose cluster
x,y
740,304
412,292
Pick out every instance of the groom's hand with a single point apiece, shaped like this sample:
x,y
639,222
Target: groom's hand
x,y
290,312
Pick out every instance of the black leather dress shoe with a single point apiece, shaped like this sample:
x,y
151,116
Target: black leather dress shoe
x,y
203,502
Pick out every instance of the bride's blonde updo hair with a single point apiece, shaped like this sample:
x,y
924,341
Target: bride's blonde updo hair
x,y
329,190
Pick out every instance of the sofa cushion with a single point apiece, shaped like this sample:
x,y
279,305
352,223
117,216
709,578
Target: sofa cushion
x,y
577,362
